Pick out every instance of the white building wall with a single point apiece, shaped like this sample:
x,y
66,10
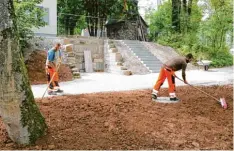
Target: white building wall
x,y
51,28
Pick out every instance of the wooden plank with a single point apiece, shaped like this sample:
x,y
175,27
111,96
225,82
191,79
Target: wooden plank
x,y
88,61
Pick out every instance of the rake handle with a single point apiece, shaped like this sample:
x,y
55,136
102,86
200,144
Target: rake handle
x,y
51,81
198,89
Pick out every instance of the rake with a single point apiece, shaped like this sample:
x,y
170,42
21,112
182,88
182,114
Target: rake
x,y
221,101
51,80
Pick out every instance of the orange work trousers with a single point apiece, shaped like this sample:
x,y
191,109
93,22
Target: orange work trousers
x,y
166,73
50,72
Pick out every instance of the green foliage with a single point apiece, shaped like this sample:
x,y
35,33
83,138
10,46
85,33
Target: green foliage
x,y
81,24
222,59
96,12
118,12
160,22
28,16
69,14
206,39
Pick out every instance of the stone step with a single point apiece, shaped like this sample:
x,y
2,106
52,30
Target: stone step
x,y
154,71
153,65
75,69
148,57
151,62
72,66
123,68
140,50
76,73
143,54
127,73
137,47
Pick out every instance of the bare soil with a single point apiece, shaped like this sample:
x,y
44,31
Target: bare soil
x,y
36,69
131,120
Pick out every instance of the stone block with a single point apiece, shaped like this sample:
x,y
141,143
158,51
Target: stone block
x,y
127,72
72,65
68,47
75,70
76,73
118,57
83,42
119,64
71,55
66,41
123,68
114,50
112,46
96,56
98,60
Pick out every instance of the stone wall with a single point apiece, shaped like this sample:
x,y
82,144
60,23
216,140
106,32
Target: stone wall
x,y
80,44
122,30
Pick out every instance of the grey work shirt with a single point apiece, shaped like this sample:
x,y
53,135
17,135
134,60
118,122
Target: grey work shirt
x,y
177,63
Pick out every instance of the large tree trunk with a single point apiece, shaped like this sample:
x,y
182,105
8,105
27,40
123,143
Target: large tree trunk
x,y
176,7
19,112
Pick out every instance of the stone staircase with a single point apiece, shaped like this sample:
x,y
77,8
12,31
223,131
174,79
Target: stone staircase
x,y
69,59
111,59
144,55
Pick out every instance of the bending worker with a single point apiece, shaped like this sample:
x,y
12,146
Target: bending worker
x,y
168,71
51,69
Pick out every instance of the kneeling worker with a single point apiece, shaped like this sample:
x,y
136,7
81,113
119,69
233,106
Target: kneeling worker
x,y
168,71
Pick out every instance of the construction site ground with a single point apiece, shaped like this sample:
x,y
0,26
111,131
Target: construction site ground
x,y
131,120
92,116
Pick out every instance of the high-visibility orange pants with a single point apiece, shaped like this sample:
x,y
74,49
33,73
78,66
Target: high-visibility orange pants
x,y
166,73
50,72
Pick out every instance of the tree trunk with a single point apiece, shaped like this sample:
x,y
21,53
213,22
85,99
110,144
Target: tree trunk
x,y
176,6
18,110
190,5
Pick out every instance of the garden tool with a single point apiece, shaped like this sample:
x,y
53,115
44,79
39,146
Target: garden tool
x,y
221,101
51,80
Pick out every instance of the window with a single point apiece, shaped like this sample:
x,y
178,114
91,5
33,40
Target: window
x,y
46,17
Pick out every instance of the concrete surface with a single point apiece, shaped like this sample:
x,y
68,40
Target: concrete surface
x,y
103,82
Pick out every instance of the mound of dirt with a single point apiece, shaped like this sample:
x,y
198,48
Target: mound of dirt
x,y
131,120
36,69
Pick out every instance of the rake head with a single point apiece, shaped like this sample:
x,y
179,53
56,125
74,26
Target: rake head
x,y
223,103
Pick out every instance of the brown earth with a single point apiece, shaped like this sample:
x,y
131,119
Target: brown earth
x,y
36,69
131,120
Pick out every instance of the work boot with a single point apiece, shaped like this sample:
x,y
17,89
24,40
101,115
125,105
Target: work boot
x,y
52,93
154,94
174,99
59,91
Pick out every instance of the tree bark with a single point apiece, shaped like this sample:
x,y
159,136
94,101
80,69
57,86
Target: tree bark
x,y
176,6
18,110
